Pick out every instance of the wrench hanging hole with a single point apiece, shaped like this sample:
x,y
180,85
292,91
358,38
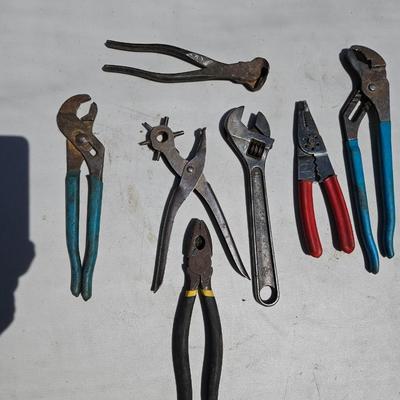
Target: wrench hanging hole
x,y
199,242
162,137
266,293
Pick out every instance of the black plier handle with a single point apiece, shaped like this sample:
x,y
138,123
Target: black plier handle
x,y
197,267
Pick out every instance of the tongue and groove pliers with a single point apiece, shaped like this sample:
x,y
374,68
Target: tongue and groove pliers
x,y
313,165
197,252
370,95
82,145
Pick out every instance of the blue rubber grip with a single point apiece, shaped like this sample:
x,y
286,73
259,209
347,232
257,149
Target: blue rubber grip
x,y
92,234
72,229
359,195
386,226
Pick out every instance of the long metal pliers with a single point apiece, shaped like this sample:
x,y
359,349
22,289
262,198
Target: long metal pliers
x,y
189,178
82,145
370,95
313,165
251,74
197,252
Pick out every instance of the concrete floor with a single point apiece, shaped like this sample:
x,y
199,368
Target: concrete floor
x,y
334,335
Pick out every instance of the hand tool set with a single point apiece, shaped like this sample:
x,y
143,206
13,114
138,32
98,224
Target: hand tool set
x,y
251,143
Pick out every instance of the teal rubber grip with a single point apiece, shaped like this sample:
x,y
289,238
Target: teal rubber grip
x,y
72,229
359,196
95,193
387,225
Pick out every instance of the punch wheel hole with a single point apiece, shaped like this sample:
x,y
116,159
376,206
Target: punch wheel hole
x,y
255,149
199,242
162,137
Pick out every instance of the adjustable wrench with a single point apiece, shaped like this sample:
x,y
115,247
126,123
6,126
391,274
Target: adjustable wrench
x,y
251,144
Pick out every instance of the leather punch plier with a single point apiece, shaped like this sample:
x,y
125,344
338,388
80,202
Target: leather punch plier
x,y
82,145
370,95
313,165
189,178
197,252
251,74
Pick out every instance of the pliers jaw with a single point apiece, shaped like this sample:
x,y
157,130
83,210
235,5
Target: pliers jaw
x,y
312,158
367,70
81,142
197,253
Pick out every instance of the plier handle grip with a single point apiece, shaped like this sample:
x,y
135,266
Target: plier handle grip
x,y
197,251
82,145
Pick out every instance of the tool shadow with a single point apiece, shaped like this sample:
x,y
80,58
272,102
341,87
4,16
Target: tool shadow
x,y
300,232
16,250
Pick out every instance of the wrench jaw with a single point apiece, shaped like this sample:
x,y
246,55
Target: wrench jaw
x,y
252,142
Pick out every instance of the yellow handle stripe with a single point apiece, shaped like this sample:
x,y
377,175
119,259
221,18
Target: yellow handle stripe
x,y
207,292
191,293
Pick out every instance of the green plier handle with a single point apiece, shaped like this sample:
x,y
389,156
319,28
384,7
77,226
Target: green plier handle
x,y
82,274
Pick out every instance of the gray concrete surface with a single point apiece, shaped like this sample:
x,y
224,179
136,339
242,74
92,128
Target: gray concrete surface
x,y
334,335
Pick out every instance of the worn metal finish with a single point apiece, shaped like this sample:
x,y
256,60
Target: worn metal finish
x,y
251,74
197,253
189,177
367,70
82,145
312,158
251,143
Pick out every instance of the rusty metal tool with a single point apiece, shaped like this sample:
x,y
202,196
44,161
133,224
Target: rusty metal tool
x,y
251,74
370,95
189,178
82,145
313,165
251,144
197,252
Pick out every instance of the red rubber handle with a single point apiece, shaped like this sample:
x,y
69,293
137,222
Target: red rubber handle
x,y
340,213
307,216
